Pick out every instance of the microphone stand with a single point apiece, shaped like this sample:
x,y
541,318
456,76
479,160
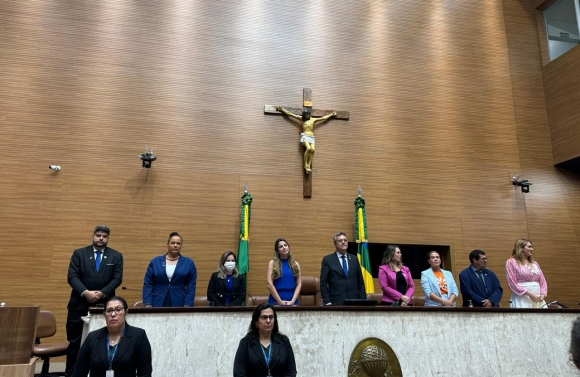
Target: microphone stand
x,y
140,291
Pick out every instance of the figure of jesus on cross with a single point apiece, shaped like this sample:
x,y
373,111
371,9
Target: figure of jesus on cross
x,y
307,135
309,117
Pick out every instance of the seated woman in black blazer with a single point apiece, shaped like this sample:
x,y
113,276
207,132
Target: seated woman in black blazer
x,y
128,353
264,351
226,287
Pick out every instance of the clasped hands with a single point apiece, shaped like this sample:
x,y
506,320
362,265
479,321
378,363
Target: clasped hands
x,y
405,300
93,296
535,298
487,303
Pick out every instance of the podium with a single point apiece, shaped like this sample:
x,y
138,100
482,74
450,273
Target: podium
x,y
17,332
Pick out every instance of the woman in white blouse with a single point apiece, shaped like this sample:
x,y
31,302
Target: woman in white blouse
x,y
525,278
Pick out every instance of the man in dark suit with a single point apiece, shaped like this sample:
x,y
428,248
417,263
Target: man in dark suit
x,y
479,284
93,273
340,275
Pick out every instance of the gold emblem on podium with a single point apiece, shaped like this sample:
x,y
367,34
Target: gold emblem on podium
x,y
373,358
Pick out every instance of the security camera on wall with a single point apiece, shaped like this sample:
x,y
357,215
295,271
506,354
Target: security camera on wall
x,y
524,183
147,158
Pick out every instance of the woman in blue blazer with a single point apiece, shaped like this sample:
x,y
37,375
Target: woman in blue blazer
x,y
170,279
438,284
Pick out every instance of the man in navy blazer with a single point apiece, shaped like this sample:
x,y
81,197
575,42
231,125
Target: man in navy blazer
x,y
335,284
90,286
479,284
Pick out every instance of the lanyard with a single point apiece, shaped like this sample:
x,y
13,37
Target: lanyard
x,y
109,356
267,358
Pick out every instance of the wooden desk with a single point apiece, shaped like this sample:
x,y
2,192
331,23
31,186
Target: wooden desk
x,y
17,332
19,370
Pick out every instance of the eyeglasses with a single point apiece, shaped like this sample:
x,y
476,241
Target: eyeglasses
x,y
267,318
117,311
342,241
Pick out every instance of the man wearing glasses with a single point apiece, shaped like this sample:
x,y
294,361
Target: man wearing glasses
x,y
340,275
94,272
478,284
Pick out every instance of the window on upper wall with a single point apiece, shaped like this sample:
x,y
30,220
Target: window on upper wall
x,y
561,19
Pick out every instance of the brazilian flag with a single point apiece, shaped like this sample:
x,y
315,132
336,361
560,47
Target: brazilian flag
x,y
360,221
243,259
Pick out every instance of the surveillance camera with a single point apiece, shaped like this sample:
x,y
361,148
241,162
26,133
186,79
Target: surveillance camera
x,y
54,167
524,184
147,158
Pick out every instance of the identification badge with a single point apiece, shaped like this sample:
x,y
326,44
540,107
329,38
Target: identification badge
x,y
110,373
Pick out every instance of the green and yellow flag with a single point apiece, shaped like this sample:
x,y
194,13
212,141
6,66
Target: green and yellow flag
x,y
243,259
360,222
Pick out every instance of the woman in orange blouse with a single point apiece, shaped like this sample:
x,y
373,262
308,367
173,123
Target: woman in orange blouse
x,y
438,284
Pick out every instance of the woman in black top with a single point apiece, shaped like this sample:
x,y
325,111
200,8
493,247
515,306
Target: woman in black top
x,y
118,347
264,351
226,287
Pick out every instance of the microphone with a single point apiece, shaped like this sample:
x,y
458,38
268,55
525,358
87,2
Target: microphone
x,y
140,291
550,303
251,298
131,289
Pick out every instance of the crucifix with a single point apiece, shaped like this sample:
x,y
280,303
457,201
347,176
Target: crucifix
x,y
308,117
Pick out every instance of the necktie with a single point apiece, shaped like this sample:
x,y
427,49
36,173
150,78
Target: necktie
x,y
344,265
478,273
98,260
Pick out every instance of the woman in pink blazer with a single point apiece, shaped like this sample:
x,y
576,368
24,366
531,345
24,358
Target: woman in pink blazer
x,y
395,279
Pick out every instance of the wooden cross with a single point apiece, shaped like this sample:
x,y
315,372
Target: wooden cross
x,y
307,105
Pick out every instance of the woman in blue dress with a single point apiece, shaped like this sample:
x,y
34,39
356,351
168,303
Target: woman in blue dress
x,y
283,276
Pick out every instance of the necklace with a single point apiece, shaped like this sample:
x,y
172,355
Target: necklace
x,y
113,342
172,259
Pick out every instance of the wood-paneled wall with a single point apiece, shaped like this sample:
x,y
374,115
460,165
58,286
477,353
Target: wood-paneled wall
x,y
446,104
562,92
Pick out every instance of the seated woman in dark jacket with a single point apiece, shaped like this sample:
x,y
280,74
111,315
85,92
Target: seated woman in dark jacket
x,y
118,347
264,351
226,287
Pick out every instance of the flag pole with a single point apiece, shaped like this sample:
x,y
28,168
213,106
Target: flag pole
x,y
360,222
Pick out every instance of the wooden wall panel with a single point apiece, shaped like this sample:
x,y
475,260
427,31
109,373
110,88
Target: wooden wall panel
x,y
542,37
562,88
445,98
551,203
